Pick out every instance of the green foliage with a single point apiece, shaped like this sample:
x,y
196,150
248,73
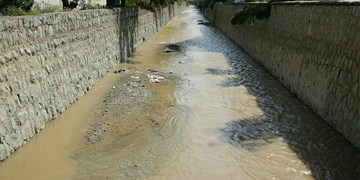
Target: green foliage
x,y
69,5
22,4
15,7
12,11
22,7
213,2
131,3
159,3
250,14
156,4
95,6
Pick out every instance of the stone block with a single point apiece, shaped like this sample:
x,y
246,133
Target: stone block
x,y
47,5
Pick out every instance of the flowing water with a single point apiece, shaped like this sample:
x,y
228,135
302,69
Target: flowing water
x,y
222,116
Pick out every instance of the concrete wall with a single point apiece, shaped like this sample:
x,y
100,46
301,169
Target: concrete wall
x,y
313,49
49,61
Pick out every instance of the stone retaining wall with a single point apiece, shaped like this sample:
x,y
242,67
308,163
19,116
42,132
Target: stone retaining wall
x,y
49,61
313,49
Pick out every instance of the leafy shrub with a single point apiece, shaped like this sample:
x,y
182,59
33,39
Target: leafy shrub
x,y
93,6
131,3
213,2
250,14
15,7
22,4
12,11
155,4
69,5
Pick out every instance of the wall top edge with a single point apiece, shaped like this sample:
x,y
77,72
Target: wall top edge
x,y
80,12
74,12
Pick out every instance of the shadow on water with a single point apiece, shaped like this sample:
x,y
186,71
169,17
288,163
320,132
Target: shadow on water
x,y
132,62
222,72
249,134
321,148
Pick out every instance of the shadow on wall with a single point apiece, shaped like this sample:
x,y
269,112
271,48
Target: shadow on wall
x,y
127,18
306,57
129,27
320,147
160,14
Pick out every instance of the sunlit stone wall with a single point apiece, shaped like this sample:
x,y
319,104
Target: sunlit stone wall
x,y
313,49
49,61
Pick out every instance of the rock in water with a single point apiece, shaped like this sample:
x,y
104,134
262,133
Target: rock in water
x,y
153,78
173,48
123,70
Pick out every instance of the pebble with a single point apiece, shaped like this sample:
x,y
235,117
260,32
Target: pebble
x,y
155,78
168,50
152,70
123,70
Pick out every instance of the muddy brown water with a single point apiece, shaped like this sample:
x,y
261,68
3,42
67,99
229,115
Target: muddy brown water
x,y
219,115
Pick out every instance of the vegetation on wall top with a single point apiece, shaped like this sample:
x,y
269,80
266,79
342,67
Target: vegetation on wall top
x,y
15,7
23,7
251,13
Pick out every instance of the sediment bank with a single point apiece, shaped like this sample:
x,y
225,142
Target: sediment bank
x,y
49,61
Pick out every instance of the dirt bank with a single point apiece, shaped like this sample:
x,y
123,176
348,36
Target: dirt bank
x,y
138,99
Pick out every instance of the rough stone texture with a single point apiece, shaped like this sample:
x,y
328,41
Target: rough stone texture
x,y
47,4
47,62
82,3
313,49
101,2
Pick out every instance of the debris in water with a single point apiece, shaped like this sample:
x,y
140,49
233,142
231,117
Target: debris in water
x,y
173,48
152,70
168,50
154,122
136,78
123,70
155,78
202,22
